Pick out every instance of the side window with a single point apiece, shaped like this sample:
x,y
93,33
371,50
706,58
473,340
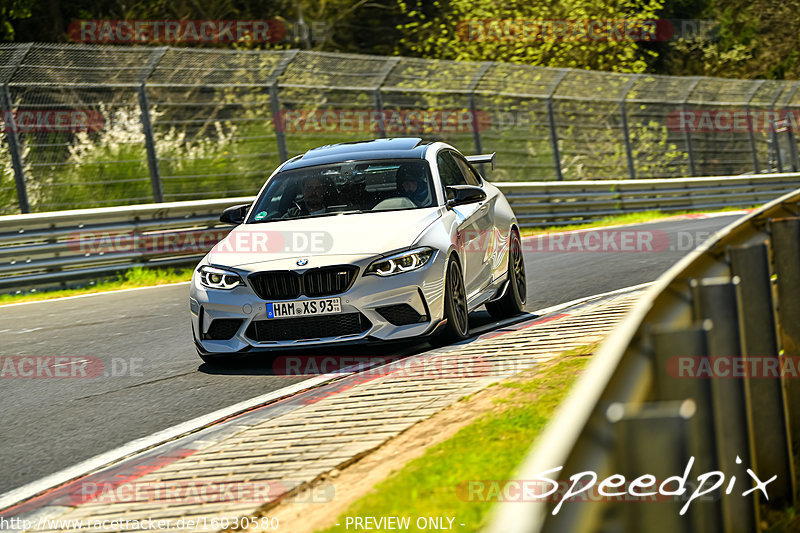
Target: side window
x,y
449,171
470,175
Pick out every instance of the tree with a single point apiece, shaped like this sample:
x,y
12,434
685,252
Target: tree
x,y
571,33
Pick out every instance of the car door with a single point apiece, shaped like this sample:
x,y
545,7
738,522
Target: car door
x,y
470,219
486,247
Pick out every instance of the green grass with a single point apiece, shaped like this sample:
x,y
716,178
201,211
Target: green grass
x,y
628,218
137,277
490,448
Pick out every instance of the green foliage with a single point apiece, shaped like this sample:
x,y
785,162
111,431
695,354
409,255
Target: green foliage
x,y
444,30
13,10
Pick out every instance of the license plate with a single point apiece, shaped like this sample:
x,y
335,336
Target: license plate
x,y
322,306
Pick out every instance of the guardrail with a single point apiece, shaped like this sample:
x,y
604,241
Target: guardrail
x,y
665,387
51,249
558,203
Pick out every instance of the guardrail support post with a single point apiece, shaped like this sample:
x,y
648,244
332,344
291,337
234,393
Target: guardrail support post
x,y
715,300
652,438
765,396
786,257
691,342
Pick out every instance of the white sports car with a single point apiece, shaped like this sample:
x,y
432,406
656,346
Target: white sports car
x,y
367,241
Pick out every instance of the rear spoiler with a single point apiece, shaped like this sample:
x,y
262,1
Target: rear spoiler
x,y
482,158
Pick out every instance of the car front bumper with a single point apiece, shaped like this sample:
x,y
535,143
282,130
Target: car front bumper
x,y
365,305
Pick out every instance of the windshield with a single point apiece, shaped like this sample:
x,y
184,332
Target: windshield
x,y
344,188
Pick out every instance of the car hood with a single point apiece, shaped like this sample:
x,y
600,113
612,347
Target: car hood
x,y
363,234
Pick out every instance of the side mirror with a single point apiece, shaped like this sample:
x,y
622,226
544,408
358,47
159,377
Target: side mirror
x,y
464,194
235,214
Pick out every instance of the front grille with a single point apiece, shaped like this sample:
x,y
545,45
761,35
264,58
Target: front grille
x,y
277,285
287,285
401,314
315,327
223,329
327,281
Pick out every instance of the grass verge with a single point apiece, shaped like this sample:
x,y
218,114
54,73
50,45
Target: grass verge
x,y
629,218
490,448
136,277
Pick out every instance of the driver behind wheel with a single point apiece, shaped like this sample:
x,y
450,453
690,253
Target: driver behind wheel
x,y
314,200
412,185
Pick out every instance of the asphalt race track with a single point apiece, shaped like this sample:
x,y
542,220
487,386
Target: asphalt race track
x,y
156,380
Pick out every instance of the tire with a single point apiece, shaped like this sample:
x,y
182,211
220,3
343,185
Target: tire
x,y
455,306
513,301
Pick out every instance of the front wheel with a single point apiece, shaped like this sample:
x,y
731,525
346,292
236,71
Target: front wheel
x,y
513,301
455,305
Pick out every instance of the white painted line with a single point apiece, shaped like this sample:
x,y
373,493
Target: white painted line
x,y
673,218
116,291
559,307
106,459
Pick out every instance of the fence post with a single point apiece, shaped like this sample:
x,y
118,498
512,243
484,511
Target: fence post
x,y
147,125
11,131
13,149
473,110
792,139
687,133
551,120
275,104
623,115
376,94
750,133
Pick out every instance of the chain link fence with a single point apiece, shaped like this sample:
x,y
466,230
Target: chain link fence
x,y
93,126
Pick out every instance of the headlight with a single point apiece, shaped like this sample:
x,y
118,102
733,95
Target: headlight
x,y
217,278
402,262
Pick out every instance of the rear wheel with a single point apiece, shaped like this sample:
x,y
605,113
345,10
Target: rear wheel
x,y
513,301
455,305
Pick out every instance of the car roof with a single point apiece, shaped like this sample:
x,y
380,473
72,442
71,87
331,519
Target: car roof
x,y
395,148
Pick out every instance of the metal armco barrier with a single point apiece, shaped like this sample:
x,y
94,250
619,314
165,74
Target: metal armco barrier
x,y
732,300
558,203
46,249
